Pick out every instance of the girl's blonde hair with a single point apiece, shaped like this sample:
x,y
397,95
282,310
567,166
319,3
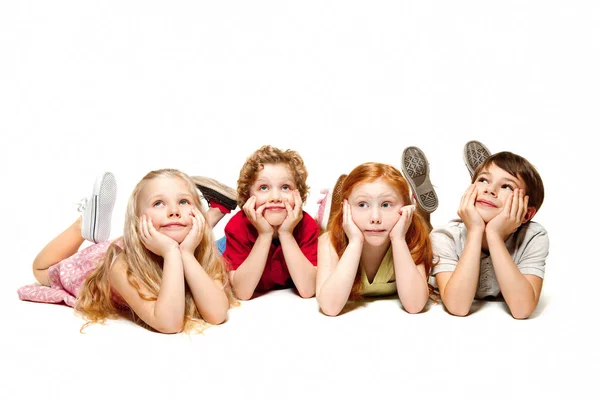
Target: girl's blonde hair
x,y
144,268
271,155
417,236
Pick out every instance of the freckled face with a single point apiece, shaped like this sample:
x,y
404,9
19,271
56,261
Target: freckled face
x,y
375,210
494,187
169,203
274,186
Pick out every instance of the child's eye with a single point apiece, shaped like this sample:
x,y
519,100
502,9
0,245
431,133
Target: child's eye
x,y
362,204
158,203
263,187
484,180
184,202
386,204
285,187
507,186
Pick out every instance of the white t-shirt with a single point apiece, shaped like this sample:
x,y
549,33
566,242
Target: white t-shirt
x,y
528,247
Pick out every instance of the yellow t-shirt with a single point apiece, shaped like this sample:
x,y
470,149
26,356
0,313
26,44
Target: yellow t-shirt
x,y
381,285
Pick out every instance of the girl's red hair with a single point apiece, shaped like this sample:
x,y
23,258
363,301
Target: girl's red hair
x,y
417,236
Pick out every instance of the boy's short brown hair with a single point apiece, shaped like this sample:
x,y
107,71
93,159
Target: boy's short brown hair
x,y
518,167
271,155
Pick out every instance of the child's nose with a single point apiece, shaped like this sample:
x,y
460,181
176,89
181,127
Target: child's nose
x,y
174,212
490,190
275,195
375,216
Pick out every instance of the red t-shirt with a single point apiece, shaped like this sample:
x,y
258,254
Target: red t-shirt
x,y
241,236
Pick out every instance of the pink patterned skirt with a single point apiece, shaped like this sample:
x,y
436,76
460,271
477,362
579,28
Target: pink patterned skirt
x,y
66,277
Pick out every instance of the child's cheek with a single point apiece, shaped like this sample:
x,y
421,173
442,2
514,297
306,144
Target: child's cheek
x,y
259,202
395,217
484,217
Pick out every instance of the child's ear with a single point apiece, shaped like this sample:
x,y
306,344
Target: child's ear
x,y
529,214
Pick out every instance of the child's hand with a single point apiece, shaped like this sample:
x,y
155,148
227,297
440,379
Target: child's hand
x,y
155,241
256,216
511,216
194,236
467,212
406,215
352,231
294,216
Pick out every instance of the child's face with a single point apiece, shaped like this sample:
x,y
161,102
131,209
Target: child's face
x,y
375,210
274,186
169,203
494,187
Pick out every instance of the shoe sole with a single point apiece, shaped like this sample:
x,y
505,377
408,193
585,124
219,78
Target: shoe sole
x,y
102,203
415,168
336,198
474,154
212,189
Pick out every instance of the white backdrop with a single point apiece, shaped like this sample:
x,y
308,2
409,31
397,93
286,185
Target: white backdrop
x,y
131,86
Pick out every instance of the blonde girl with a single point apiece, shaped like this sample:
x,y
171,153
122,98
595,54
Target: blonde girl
x,y
165,273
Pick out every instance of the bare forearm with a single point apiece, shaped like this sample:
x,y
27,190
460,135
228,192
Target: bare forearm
x,y
516,289
302,271
169,308
248,274
411,285
210,299
461,288
335,291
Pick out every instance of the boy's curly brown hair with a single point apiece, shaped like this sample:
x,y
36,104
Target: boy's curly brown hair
x,y
271,155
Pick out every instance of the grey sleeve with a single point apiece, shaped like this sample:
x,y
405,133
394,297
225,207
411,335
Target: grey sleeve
x,y
444,250
535,252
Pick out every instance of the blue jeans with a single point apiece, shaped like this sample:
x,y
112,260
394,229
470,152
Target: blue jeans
x,y
221,244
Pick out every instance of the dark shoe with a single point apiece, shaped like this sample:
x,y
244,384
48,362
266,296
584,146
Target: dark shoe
x,y
215,191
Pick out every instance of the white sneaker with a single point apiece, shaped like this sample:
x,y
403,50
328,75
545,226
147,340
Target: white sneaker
x,y
324,203
97,209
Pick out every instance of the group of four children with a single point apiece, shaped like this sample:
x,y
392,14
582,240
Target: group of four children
x,y
371,237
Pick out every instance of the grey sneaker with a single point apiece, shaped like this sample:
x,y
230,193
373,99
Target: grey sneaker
x,y
474,154
415,168
336,197
97,209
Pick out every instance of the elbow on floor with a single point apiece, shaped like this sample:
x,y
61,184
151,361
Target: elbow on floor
x,y
412,309
306,293
328,310
170,328
521,314
216,319
458,311
241,295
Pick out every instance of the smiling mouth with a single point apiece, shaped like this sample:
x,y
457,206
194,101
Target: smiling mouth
x,y
486,203
275,209
173,226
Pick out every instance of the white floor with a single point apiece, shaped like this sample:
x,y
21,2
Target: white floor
x,y
280,346
134,86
